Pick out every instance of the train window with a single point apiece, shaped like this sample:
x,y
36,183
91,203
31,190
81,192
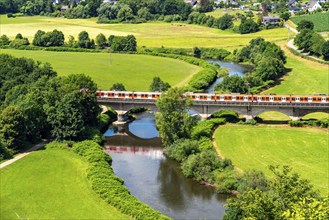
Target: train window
x,y
135,95
314,99
293,99
267,98
319,99
263,98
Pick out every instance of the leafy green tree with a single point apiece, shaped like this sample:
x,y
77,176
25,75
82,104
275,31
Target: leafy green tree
x,y
158,85
37,40
12,127
325,49
19,36
269,68
4,40
118,87
93,5
248,26
304,24
84,40
196,52
144,13
303,40
181,149
285,15
225,22
173,120
316,43
234,84
125,13
101,40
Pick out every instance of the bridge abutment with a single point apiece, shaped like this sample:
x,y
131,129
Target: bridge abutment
x,y
248,117
122,118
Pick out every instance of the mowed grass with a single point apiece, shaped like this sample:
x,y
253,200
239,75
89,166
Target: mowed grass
x,y
153,34
305,77
306,150
134,71
51,184
320,20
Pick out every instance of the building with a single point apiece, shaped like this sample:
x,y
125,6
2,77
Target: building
x,y
271,20
313,5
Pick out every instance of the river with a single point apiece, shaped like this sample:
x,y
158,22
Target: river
x,y
154,179
233,69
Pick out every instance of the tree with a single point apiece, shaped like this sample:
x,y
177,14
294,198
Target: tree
x,y
249,26
4,40
269,68
101,40
225,22
325,49
125,13
93,5
173,120
19,36
234,84
158,85
84,40
285,15
304,24
196,52
144,13
118,87
37,40
303,40
12,127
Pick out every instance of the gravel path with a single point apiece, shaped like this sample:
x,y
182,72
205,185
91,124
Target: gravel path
x,y
20,156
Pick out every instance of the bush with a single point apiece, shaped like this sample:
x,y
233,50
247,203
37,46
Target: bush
x,y
205,128
202,166
228,115
226,182
182,149
57,145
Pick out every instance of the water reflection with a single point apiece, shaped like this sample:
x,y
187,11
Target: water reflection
x,y
233,69
156,180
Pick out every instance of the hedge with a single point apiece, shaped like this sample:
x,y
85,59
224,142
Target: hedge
x,y
108,186
206,128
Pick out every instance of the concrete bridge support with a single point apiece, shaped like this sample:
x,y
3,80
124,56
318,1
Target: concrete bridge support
x,y
122,118
248,117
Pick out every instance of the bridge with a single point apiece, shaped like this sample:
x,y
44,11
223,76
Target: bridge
x,y
295,110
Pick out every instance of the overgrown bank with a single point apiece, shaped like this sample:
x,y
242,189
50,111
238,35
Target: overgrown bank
x,y
104,183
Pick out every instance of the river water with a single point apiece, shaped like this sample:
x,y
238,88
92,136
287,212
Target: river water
x,y
233,69
155,180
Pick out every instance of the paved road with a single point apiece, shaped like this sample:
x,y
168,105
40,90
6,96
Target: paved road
x,y
20,156
290,28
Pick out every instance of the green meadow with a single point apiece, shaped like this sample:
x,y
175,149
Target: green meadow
x,y
134,71
51,184
304,77
306,150
320,20
153,34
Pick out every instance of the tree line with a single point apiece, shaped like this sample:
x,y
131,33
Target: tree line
x,y
37,104
56,38
310,41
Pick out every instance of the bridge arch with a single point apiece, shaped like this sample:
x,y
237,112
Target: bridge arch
x,y
316,115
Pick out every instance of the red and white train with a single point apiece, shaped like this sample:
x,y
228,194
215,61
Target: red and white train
x,y
321,98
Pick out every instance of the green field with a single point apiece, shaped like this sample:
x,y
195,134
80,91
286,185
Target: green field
x,y
320,20
154,34
305,77
256,147
134,71
50,184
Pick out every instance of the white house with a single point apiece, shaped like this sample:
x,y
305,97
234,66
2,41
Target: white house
x,y
313,5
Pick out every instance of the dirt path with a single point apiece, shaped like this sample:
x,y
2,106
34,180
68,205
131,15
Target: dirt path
x,y
21,155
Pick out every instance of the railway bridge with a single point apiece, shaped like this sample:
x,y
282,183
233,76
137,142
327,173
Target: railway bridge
x,y
206,108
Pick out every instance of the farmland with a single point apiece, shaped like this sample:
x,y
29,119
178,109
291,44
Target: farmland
x,y
153,34
320,20
306,150
51,184
134,71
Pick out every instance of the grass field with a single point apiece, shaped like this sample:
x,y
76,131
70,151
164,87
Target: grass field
x,y
305,77
320,20
154,34
50,184
134,71
256,147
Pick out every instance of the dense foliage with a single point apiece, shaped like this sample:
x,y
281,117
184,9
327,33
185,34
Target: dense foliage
x,y
47,39
173,121
284,195
268,59
158,85
308,40
36,104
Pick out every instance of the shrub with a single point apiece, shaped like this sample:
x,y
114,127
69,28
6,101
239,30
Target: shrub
x,y
57,145
229,115
181,149
205,128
